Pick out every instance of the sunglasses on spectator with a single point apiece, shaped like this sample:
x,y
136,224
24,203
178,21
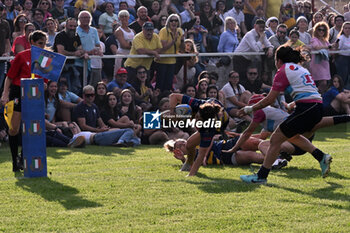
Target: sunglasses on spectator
x,y
89,95
321,29
44,3
282,32
234,76
252,73
190,4
174,20
22,21
142,72
238,2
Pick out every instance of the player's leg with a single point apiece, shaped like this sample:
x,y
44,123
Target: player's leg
x,y
248,157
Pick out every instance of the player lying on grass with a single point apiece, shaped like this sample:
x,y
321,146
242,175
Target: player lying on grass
x,y
205,110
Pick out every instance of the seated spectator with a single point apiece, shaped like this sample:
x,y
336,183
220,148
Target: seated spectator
x,y
110,114
119,83
145,97
87,114
124,37
271,26
202,88
213,92
347,14
45,6
38,19
20,21
236,96
308,11
294,41
213,78
71,100
160,24
56,138
101,95
302,25
260,14
198,34
107,19
253,82
115,137
336,100
142,18
190,90
51,31
27,9
58,12
128,107
21,43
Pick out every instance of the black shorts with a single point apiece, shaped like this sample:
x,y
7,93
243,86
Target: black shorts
x,y
303,119
330,111
15,95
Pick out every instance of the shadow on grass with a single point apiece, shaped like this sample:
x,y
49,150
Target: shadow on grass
x,y
220,185
56,192
305,174
327,193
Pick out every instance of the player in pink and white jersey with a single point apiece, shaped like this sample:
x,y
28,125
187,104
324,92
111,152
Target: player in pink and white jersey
x,y
296,80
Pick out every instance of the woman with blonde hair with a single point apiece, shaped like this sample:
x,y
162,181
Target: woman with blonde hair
x,y
124,36
171,37
319,66
45,5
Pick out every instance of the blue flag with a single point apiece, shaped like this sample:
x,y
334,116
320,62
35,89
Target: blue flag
x,y
47,64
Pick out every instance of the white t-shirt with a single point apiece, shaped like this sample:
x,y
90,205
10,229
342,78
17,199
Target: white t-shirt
x,y
344,44
86,135
96,63
230,92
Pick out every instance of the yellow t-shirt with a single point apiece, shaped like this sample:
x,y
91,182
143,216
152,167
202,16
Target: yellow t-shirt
x,y
89,6
254,4
168,36
273,8
141,42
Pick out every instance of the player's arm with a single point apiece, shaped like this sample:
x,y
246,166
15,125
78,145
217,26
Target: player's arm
x,y
6,91
175,99
268,100
244,137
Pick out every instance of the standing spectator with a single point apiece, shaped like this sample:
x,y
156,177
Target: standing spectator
x,y
111,45
207,15
38,19
228,39
199,34
11,12
89,38
302,25
142,18
219,18
108,19
188,14
45,6
259,15
271,25
96,63
28,9
317,17
250,12
294,41
254,41
342,61
21,43
51,31
171,37
145,42
286,15
124,36
87,114
308,11
334,31
281,36
58,12
347,13
120,82
124,6
319,66
157,11
68,43
86,5
5,46
237,13
19,23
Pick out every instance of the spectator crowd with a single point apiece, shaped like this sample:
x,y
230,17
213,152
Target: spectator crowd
x,y
109,109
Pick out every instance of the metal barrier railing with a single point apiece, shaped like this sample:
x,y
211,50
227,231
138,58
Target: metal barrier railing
x,y
85,62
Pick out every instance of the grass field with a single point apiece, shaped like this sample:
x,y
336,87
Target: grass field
x,y
107,189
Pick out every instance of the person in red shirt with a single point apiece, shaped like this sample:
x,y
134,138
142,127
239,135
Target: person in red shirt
x,y
22,42
20,68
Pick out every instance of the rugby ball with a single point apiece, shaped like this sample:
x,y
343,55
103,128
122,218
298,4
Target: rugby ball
x,y
183,109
